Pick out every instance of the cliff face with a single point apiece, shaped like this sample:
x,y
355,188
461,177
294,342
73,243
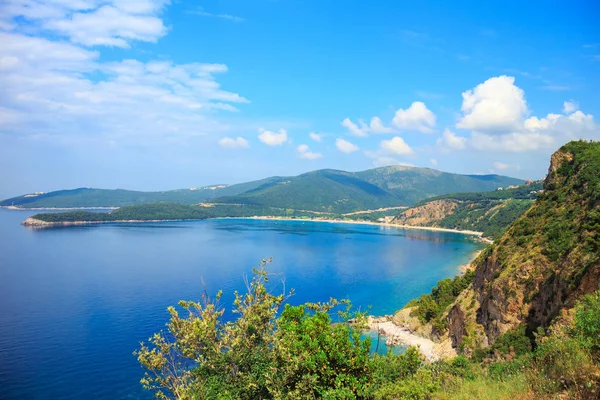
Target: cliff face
x,y
544,262
428,214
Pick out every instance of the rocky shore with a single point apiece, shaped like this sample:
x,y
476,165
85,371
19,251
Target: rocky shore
x,y
402,334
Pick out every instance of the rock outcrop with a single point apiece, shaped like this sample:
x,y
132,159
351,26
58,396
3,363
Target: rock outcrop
x,y
544,262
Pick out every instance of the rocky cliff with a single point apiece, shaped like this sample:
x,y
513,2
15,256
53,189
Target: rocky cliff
x,y
544,262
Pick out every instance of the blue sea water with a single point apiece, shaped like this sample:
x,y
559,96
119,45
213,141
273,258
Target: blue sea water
x,y
75,302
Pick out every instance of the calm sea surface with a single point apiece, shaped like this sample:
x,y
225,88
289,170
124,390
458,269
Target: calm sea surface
x,y
75,302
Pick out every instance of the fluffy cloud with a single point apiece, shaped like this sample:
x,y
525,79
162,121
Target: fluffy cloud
x,y
397,146
495,106
345,147
315,136
237,143
570,107
415,118
48,91
377,126
354,129
433,162
500,166
272,138
449,140
496,114
304,152
92,22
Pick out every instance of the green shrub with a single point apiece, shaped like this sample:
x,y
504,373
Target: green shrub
x,y
587,322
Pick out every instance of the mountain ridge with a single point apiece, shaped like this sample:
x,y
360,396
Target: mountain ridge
x,y
325,190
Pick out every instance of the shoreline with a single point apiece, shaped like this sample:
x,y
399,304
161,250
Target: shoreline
x,y
39,223
386,224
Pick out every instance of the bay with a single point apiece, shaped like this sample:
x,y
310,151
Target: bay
x,y
75,302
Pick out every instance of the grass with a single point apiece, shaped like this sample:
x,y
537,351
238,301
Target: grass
x,y
485,388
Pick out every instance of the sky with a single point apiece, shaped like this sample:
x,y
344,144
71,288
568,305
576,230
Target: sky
x,y
159,94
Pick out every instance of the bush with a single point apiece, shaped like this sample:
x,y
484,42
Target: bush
x,y
587,322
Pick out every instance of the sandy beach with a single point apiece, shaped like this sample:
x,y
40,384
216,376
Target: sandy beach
x,y
400,335
398,226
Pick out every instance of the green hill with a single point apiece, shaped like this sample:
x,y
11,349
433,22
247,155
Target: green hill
x,y
323,191
88,197
487,212
343,192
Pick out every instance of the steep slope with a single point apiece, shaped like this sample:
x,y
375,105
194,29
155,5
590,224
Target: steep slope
x,y
88,197
487,212
544,262
411,184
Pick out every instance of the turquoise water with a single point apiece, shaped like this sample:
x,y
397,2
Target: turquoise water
x,y
75,302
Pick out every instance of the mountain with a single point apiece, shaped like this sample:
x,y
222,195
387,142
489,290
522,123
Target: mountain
x,y
541,266
412,184
88,197
322,191
335,191
487,212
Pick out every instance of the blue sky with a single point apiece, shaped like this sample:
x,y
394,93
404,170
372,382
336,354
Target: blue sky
x,y
158,94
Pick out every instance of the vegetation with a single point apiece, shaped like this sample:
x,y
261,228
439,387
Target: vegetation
x,y
488,212
429,308
327,191
170,211
273,350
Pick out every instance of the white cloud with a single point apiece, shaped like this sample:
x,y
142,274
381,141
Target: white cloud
x,y
237,143
495,112
496,106
47,88
200,11
377,126
272,138
345,147
415,118
304,152
92,22
397,146
449,140
570,106
433,162
354,129
500,166
315,136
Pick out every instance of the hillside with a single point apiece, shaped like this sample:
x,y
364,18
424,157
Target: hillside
x,y
323,191
487,212
88,197
343,192
412,184
544,262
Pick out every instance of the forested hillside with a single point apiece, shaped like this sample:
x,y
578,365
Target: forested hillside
x,y
487,212
328,191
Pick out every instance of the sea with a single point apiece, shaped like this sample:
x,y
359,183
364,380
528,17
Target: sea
x,y
75,302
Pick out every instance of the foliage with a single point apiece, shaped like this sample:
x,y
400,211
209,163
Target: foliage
x,y
587,322
169,211
430,307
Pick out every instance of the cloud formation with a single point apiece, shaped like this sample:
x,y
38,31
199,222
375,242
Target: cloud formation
x,y
497,116
417,118
396,146
115,23
271,138
345,146
304,152
231,143
315,136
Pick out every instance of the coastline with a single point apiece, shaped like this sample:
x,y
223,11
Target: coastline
x,y
386,224
479,235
